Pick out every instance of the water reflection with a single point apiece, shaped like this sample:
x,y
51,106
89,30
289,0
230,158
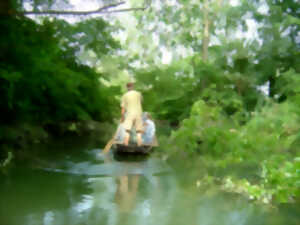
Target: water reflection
x,y
125,193
86,188
127,187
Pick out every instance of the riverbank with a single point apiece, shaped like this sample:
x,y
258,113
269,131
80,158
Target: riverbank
x,y
21,137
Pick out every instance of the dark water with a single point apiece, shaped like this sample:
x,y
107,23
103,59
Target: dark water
x,y
69,183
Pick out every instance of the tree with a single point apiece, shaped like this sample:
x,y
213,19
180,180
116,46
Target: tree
x,y
14,7
41,79
279,51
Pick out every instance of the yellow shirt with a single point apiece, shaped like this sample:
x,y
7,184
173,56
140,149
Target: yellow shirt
x,y
132,102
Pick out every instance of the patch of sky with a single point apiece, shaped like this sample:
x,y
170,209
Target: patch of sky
x,y
136,64
182,51
27,6
265,88
263,9
170,2
155,38
166,56
234,3
229,57
251,32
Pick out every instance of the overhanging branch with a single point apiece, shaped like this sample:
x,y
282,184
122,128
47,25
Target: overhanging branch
x,y
101,10
125,10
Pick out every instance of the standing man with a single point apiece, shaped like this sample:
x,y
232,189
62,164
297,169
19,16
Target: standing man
x,y
131,105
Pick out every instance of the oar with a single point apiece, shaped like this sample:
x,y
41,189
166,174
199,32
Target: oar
x,y
109,144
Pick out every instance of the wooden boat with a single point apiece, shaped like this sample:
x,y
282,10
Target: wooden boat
x,y
119,148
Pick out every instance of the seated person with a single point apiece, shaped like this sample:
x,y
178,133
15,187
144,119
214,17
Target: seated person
x,y
149,129
121,132
147,136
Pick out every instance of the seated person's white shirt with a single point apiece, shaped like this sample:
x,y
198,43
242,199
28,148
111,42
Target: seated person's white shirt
x,y
147,136
149,133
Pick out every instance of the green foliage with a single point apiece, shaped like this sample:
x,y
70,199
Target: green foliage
x,y
170,91
90,34
40,82
288,86
166,92
271,130
281,178
206,126
268,140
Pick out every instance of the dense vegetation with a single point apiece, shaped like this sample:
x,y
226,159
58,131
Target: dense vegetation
x,y
42,83
235,103
232,101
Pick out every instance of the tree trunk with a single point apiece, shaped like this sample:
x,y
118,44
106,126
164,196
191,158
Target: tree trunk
x,y
206,34
6,8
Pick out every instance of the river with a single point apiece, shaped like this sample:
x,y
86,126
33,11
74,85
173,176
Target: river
x,y
69,182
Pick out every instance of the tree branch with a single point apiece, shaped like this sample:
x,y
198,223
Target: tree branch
x,y
125,10
84,13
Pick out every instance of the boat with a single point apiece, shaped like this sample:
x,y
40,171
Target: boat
x,y
132,148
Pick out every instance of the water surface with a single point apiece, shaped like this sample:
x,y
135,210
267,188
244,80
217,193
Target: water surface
x,y
69,182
